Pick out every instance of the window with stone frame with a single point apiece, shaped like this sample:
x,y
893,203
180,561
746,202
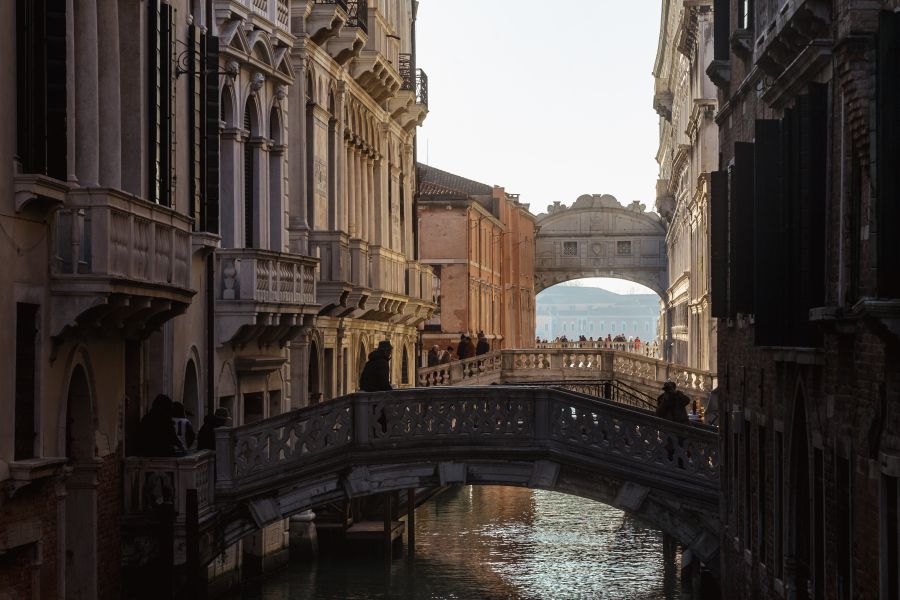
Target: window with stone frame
x,y
570,248
623,248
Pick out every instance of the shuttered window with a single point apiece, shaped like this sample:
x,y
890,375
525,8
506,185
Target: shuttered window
x,y
722,29
740,289
41,86
196,89
209,154
887,156
769,245
161,91
719,243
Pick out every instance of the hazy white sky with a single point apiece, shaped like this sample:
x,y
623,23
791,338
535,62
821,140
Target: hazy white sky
x,y
550,100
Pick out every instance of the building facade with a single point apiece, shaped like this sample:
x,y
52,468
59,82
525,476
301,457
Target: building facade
x,y
595,313
804,212
211,200
685,100
487,283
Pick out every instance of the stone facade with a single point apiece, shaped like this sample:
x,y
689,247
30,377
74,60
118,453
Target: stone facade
x,y
486,283
211,200
685,99
804,286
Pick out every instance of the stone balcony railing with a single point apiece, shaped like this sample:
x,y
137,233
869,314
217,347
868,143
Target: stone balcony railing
x,y
387,270
153,481
276,12
259,289
562,364
133,254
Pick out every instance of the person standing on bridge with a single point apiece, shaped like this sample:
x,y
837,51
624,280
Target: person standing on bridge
x,y
672,404
376,375
483,346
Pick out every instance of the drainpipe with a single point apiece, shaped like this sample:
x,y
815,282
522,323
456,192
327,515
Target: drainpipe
x,y
210,333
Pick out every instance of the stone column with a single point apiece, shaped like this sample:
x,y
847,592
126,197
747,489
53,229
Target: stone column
x,y
375,223
87,126
353,223
109,100
361,199
298,226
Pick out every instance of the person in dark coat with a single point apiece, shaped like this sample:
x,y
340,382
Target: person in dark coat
x,y
206,437
376,375
483,346
462,349
672,404
183,427
434,356
447,355
156,433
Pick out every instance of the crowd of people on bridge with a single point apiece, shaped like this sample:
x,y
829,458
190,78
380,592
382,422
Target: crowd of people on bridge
x,y
610,342
466,348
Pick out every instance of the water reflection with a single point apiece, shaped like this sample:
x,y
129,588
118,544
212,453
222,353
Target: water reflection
x,y
498,542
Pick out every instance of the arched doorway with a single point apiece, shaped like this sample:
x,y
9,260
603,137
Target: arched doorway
x,y
800,510
360,364
190,396
313,389
404,367
81,490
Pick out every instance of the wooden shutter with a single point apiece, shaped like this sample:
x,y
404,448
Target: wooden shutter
x,y
888,155
26,365
769,267
56,89
196,88
209,172
249,183
721,29
161,89
719,243
741,231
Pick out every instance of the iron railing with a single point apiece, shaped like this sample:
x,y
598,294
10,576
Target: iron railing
x,y
406,72
340,3
358,14
421,88
413,79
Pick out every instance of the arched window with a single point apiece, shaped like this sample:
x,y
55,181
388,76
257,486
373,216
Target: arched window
x,y
190,395
312,385
404,367
276,181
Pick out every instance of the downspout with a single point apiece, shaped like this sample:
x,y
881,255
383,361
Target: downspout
x,y
210,334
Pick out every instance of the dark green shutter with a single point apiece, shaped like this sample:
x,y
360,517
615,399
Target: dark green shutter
x,y
769,266
718,210
209,172
887,156
741,226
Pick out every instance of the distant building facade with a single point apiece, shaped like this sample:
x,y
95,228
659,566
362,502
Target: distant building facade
x,y
805,209
486,283
685,99
572,311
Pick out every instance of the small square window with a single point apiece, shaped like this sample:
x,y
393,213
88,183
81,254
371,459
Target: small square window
x,y
623,248
570,248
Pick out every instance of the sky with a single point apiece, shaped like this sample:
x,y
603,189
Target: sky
x,y
549,100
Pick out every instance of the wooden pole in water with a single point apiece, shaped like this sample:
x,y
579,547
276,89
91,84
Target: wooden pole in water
x,y
411,520
388,525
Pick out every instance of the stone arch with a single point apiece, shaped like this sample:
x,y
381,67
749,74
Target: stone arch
x,y
79,412
252,122
260,49
362,356
310,86
276,125
228,106
227,384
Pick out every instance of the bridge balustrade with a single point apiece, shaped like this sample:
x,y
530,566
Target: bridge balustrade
x,y
506,421
570,362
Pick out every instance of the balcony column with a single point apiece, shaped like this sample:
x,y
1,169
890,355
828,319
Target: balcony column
x,y
361,199
350,192
340,180
109,98
298,226
376,217
87,125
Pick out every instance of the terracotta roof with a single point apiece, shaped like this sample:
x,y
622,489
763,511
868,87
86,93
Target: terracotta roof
x,y
434,182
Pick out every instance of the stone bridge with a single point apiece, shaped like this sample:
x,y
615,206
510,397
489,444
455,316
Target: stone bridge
x,y
536,437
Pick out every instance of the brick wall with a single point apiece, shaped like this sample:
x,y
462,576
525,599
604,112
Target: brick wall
x,y
109,528
29,571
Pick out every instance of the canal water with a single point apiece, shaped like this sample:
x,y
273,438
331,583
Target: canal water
x,y
477,542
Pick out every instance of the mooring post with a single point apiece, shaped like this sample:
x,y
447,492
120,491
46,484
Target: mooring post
x,y
411,520
388,524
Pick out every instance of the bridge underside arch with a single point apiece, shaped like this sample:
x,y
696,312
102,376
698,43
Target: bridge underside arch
x,y
599,237
693,521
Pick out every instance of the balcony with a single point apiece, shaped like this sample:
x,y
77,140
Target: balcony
x,y
121,264
375,73
421,303
326,20
352,37
387,280
263,295
794,44
410,105
274,14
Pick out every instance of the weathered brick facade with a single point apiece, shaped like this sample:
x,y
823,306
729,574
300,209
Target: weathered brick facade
x,y
808,320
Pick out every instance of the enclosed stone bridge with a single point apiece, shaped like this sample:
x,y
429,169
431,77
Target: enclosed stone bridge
x,y
536,437
599,237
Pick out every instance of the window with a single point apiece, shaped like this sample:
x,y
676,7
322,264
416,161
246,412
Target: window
x,y
41,86
890,567
26,362
745,14
249,183
778,477
162,91
761,510
570,248
623,248
253,407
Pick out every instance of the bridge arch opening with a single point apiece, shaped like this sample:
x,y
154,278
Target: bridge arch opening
x,y
599,308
